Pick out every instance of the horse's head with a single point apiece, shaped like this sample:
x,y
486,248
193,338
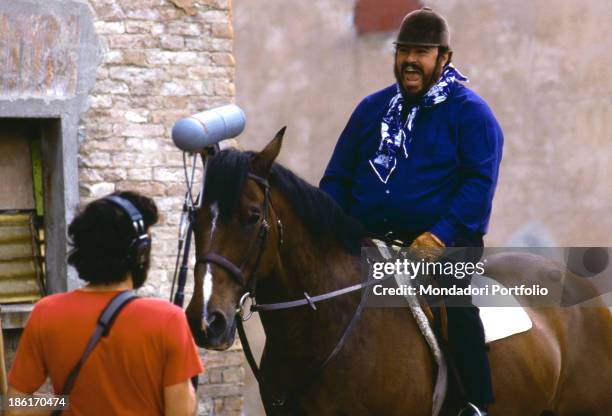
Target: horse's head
x,y
237,234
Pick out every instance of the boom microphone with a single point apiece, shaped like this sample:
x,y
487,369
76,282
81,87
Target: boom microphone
x,y
194,133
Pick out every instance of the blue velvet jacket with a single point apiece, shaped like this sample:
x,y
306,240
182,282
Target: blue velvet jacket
x,y
445,186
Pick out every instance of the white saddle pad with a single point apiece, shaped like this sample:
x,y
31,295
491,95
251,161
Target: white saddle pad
x,y
499,321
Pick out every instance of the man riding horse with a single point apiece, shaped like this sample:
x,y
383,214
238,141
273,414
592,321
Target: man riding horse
x,y
418,161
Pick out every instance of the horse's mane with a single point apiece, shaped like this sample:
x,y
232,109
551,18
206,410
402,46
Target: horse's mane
x,y
319,212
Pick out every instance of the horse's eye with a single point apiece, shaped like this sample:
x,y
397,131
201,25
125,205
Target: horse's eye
x,y
253,218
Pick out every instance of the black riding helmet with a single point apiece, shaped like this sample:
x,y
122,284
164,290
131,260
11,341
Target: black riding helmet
x,y
424,27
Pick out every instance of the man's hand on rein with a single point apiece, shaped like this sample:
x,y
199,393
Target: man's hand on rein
x,y
428,246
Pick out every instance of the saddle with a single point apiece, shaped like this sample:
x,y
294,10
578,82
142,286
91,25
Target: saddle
x,y
498,322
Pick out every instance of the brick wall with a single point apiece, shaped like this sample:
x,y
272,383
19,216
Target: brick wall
x,y
162,60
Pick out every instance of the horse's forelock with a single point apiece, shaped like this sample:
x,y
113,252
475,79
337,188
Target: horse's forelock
x,y
224,180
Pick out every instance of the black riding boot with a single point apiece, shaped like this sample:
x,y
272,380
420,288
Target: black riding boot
x,y
466,342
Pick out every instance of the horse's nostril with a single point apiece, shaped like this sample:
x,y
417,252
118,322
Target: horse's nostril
x,y
216,323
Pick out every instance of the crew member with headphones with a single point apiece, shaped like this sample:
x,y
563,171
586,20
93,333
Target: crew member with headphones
x,y
143,363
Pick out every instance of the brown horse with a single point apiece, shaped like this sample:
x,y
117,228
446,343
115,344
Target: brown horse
x,y
562,366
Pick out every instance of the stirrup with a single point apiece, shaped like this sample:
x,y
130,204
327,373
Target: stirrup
x,y
471,406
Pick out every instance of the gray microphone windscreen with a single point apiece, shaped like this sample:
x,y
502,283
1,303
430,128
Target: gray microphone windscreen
x,y
194,133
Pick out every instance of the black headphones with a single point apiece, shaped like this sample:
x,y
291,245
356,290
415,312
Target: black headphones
x,y
140,247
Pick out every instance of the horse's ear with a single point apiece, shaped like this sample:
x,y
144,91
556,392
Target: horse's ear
x,y
261,162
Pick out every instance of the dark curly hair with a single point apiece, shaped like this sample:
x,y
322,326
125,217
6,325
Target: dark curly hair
x,y
101,235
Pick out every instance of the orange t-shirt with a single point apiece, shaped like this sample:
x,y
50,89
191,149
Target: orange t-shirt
x,y
149,347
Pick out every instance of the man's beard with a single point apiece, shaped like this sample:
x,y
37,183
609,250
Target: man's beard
x,y
413,98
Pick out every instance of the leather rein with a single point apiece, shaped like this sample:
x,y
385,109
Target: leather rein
x,y
249,287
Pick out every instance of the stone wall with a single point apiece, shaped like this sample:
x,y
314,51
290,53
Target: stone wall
x,y
160,62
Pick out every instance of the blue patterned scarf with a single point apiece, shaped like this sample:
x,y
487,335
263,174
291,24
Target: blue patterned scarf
x,y
395,135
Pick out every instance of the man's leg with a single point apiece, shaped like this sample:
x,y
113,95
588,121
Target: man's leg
x,y
466,343
466,337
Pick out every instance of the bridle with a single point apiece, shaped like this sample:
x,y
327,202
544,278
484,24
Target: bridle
x,y
237,272
258,242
